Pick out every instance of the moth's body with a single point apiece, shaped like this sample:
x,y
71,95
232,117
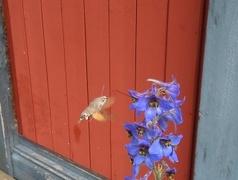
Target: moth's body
x,y
94,109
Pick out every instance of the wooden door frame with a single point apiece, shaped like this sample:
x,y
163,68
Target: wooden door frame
x,y
216,137
20,157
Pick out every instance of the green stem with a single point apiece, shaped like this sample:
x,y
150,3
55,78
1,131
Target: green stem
x,y
158,172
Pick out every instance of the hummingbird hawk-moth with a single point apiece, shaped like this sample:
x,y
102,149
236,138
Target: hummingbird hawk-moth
x,y
97,109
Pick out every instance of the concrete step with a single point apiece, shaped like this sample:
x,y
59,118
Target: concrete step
x,y
4,176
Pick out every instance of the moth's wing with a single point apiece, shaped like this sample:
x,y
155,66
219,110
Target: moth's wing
x,y
98,116
103,115
108,103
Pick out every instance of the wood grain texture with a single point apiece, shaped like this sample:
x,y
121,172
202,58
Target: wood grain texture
x,y
75,48
19,156
29,164
122,66
38,71
55,62
151,38
6,106
151,35
183,60
76,77
216,149
20,67
98,69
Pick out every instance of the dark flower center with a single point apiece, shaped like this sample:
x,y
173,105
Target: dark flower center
x,y
153,103
166,142
170,175
140,130
129,134
143,151
134,100
131,160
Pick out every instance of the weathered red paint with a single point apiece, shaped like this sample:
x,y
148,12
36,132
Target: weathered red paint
x,y
62,53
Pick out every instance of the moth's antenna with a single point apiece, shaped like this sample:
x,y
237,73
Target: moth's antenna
x,y
121,93
102,89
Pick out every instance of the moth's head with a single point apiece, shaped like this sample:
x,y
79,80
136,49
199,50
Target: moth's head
x,y
106,102
82,117
102,100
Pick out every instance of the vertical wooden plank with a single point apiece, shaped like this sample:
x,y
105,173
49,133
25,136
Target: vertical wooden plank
x,y
55,61
37,69
151,41
68,67
150,45
74,42
184,29
6,104
20,69
122,63
217,136
96,15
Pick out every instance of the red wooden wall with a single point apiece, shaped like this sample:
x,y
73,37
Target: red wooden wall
x,y
62,53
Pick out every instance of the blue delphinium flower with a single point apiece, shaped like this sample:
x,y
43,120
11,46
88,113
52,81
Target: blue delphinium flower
x,y
144,152
138,100
156,107
150,103
130,127
149,145
170,172
138,131
168,144
154,103
172,89
174,114
135,172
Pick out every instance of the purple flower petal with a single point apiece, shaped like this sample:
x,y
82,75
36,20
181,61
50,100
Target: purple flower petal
x,y
163,123
179,103
133,149
167,151
173,157
146,176
170,171
138,95
175,140
171,88
149,163
155,148
138,160
150,113
135,170
165,105
129,178
176,115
